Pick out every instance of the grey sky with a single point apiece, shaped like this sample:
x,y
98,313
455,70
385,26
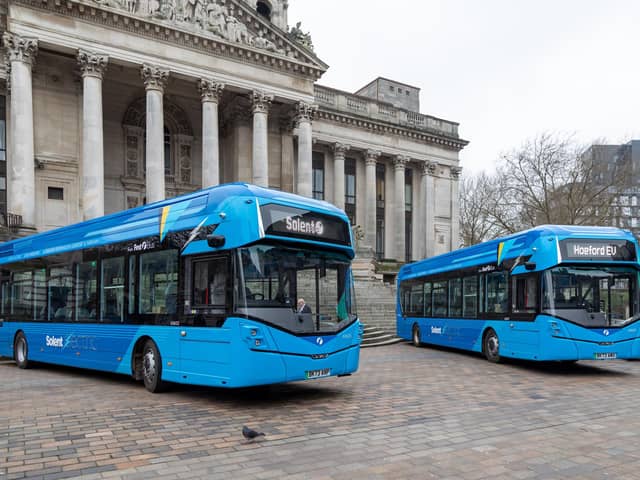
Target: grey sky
x,y
506,70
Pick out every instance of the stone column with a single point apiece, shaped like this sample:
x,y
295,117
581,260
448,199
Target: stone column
x,y
399,164
261,104
21,180
286,168
155,81
304,117
210,92
429,204
455,207
371,160
93,67
339,152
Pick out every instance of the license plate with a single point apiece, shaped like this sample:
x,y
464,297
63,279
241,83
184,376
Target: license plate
x,y
605,356
323,372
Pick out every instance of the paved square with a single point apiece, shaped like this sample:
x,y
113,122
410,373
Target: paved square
x,y
407,413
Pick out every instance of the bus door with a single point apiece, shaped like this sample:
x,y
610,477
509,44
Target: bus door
x,y
205,342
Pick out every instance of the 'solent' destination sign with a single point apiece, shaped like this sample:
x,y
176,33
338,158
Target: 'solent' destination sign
x,y
610,250
296,222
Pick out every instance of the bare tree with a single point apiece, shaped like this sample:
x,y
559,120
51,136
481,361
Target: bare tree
x,y
546,181
477,197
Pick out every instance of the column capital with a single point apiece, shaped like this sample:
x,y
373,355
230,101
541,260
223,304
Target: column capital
x,y
400,162
340,149
305,112
154,77
92,64
371,157
455,172
210,90
20,49
428,168
261,101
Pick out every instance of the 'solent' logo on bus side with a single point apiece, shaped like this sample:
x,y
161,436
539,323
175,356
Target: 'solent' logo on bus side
x,y
57,342
308,227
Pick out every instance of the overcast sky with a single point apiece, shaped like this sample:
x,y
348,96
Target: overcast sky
x,y
505,70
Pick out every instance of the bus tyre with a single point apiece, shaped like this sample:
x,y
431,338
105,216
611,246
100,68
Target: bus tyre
x,y
152,367
21,351
491,346
416,336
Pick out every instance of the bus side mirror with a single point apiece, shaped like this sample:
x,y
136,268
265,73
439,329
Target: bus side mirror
x,y
530,265
215,241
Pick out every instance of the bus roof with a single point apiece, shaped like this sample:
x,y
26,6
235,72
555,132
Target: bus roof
x,y
539,243
233,205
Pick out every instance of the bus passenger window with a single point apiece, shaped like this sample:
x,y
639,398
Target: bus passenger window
x,y
525,294
158,285
60,298
455,297
439,292
210,282
86,292
22,294
497,293
470,297
112,295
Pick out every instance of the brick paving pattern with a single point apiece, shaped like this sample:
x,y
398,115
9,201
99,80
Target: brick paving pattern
x,y
408,413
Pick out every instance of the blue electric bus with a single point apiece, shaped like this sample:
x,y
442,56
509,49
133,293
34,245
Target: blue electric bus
x,y
198,289
552,293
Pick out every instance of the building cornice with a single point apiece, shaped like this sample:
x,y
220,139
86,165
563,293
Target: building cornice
x,y
173,33
385,128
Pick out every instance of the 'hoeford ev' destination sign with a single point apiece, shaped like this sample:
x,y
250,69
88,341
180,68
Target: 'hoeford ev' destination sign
x,y
295,222
608,250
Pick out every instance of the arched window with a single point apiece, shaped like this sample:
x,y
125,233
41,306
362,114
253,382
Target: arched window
x,y
264,9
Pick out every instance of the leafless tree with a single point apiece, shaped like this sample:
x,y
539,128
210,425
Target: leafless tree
x,y
545,181
477,198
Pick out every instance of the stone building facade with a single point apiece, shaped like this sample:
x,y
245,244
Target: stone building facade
x,y
112,103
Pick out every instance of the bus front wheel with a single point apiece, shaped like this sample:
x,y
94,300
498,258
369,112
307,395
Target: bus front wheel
x,y
21,351
152,367
491,346
416,336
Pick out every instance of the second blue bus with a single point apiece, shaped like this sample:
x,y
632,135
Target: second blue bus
x,y
552,293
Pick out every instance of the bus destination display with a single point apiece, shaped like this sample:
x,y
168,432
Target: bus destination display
x,y
609,250
294,222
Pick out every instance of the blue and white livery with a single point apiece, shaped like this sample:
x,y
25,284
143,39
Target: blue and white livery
x,y
198,289
550,293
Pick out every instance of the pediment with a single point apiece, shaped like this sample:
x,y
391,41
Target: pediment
x,y
229,21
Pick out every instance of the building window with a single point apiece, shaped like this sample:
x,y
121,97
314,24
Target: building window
x,y
350,189
167,152
408,213
318,175
407,93
391,88
380,173
264,10
55,193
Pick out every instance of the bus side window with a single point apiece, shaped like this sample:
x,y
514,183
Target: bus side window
x,y
524,293
497,292
112,294
158,284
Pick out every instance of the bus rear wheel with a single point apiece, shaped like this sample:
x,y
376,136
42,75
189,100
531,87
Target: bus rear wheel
x,y
491,346
152,367
416,336
21,351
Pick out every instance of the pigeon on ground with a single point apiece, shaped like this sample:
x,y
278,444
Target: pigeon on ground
x,y
250,434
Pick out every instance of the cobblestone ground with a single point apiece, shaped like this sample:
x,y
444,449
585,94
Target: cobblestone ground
x,y
408,413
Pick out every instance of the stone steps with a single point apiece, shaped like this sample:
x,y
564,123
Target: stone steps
x,y
376,337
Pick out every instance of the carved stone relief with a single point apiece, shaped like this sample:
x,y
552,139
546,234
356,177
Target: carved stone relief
x,y
220,18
